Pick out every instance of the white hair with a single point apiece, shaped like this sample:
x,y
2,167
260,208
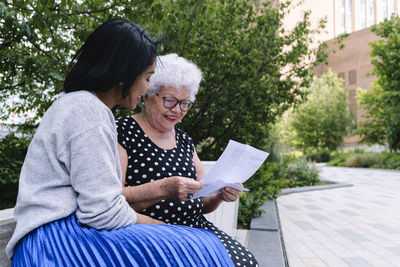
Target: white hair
x,y
176,71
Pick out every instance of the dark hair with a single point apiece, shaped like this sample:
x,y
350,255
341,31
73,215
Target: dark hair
x,y
117,51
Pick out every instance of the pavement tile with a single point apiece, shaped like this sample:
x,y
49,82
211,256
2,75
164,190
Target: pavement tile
x,y
330,258
357,225
313,262
306,226
357,262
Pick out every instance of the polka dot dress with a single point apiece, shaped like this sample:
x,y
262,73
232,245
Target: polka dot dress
x,y
147,162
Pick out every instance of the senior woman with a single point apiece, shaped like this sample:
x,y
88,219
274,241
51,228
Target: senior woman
x,y
159,161
70,209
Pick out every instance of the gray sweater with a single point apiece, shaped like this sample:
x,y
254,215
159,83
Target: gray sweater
x,y
72,165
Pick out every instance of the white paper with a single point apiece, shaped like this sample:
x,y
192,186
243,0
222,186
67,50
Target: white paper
x,y
236,165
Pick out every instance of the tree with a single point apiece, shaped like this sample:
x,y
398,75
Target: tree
x,y
253,68
323,121
372,129
386,59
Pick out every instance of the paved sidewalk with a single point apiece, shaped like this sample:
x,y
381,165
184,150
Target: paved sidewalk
x,y
349,226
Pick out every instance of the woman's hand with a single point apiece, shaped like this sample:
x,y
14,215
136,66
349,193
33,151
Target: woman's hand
x,y
230,194
180,188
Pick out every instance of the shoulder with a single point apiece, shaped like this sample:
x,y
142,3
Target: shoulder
x,y
126,123
183,134
78,112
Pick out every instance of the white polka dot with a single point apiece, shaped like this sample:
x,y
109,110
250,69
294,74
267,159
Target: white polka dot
x,y
157,206
166,211
150,169
145,164
135,171
158,175
144,176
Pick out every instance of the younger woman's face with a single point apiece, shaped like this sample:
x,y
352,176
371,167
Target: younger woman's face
x,y
138,89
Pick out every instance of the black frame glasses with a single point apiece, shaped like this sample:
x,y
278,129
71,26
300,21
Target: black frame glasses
x,y
170,103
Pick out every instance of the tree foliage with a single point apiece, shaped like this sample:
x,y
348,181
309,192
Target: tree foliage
x,y
386,59
372,128
323,121
254,69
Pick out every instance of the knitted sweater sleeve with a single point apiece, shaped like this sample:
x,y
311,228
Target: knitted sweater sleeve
x,y
91,159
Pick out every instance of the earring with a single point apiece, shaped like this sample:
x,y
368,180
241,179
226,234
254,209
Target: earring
x,y
120,83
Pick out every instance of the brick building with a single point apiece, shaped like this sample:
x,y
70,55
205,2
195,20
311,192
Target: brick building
x,y
354,17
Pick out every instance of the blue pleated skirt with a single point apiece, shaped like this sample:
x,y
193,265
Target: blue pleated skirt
x,y
66,242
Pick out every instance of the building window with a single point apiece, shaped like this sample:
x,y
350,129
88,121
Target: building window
x,y
349,14
363,17
343,16
384,8
371,13
352,77
391,8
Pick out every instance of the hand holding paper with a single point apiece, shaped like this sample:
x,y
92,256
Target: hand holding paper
x,y
236,165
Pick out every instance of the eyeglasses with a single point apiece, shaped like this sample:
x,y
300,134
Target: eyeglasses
x,y
170,103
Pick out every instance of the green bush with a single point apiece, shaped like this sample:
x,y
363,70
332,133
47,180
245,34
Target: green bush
x,y
339,159
12,154
359,158
263,185
322,155
388,161
301,173
365,160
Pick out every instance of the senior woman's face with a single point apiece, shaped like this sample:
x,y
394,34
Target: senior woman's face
x,y
161,117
